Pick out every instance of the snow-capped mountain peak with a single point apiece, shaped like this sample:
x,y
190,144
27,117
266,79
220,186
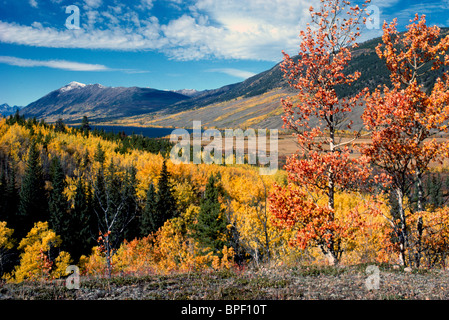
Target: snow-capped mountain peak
x,y
187,92
72,85
7,110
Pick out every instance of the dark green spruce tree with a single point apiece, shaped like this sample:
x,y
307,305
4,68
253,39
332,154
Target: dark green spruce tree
x,y
147,221
210,231
5,197
58,204
3,200
33,205
85,126
130,210
82,224
59,125
114,205
435,190
110,203
160,205
165,200
99,197
99,155
10,204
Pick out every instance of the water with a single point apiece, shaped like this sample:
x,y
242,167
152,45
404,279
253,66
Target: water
x,y
145,131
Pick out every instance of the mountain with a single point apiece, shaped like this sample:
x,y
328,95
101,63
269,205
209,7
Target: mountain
x,y
254,86
6,110
99,103
254,102
188,92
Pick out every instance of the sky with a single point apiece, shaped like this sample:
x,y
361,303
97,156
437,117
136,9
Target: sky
x,y
161,44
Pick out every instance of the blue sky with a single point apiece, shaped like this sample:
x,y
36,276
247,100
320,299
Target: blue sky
x,y
162,44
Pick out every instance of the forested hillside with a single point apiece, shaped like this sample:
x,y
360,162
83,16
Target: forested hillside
x,y
101,201
113,204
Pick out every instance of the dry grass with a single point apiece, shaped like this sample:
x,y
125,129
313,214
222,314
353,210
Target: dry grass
x,y
262,283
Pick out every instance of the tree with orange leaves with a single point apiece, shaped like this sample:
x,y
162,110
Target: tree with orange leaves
x,y
405,118
323,164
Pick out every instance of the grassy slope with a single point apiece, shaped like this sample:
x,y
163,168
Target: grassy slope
x,y
262,111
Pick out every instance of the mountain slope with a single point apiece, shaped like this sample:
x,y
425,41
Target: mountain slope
x,y
256,85
98,102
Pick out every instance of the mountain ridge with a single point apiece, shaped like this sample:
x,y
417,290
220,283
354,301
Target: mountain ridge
x,y
6,109
253,102
75,100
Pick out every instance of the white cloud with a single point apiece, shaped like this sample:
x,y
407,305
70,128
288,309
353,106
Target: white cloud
x,y
33,3
37,25
384,3
258,29
145,5
55,64
234,72
116,39
233,29
93,3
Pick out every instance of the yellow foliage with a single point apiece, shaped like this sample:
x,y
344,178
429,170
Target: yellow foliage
x,y
5,236
434,239
94,264
135,257
61,263
184,194
226,261
35,260
370,234
171,249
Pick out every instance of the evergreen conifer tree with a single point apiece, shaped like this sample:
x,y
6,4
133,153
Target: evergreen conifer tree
x,y
58,202
99,155
85,127
59,125
148,220
81,240
435,185
210,231
3,197
33,206
165,200
130,206
160,205
10,203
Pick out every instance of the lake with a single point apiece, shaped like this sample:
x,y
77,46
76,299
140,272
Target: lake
x,y
145,131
